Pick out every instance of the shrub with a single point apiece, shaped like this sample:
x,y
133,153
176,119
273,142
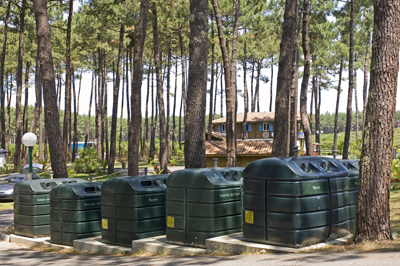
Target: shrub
x,y
88,162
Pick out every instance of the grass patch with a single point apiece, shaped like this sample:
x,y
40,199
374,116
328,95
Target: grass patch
x,y
6,205
395,210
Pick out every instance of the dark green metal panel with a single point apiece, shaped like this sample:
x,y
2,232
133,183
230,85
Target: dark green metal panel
x,y
203,203
32,205
295,201
133,208
354,168
75,212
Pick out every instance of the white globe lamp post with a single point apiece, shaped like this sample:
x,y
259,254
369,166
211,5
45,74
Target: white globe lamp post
x,y
29,140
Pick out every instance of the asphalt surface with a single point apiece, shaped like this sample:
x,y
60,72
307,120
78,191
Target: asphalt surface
x,y
12,254
6,218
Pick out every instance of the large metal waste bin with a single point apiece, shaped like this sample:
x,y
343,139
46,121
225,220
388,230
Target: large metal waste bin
x,y
75,212
203,203
354,169
295,201
132,208
32,205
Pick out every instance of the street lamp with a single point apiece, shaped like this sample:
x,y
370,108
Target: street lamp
x,y
29,140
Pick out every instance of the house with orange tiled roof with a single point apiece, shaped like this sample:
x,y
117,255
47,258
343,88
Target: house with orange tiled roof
x,y
258,141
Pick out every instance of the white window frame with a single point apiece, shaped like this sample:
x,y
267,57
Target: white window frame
x,y
265,126
223,127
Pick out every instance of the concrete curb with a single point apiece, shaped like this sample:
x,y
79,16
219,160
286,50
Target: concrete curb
x,y
4,236
36,242
233,244
158,246
94,245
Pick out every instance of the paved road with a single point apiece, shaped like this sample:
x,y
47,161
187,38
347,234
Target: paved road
x,y
12,254
6,218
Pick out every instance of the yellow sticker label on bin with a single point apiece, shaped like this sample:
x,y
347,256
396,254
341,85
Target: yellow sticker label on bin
x,y
104,224
170,221
249,217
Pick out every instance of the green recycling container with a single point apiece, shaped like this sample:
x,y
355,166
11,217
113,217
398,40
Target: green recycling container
x,y
75,212
32,205
132,208
295,201
203,203
354,169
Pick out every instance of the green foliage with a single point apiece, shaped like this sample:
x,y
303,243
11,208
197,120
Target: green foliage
x,y
158,172
88,161
104,164
355,149
44,162
71,170
396,167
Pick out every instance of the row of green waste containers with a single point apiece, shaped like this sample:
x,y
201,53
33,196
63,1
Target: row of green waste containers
x,y
283,201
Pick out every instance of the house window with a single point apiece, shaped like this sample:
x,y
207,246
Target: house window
x,y
223,128
265,126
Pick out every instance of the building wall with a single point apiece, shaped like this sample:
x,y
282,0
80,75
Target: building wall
x,y
242,160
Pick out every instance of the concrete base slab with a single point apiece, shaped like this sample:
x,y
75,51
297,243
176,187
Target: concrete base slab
x,y
158,246
37,242
233,244
4,236
94,245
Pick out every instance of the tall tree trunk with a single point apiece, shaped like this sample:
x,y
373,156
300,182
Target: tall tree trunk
x,y
365,85
67,108
59,93
195,151
293,100
210,116
245,94
111,160
337,106
306,76
90,107
75,136
41,134
9,94
25,114
38,104
373,212
99,107
146,118
53,132
230,83
105,109
356,103
222,90
252,104
257,90
153,119
316,105
157,60
280,146
122,110
174,110
271,83
311,105
136,119
183,76
216,91
180,125
168,127
351,86
2,90
17,152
